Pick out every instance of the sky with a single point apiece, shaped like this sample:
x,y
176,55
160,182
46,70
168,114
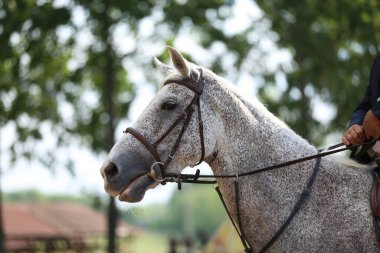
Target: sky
x,y
87,181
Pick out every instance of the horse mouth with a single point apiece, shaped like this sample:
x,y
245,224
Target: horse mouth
x,y
135,191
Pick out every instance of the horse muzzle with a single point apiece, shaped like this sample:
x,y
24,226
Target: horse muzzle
x,y
130,184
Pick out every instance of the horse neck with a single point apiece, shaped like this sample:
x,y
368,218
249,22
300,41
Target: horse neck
x,y
252,137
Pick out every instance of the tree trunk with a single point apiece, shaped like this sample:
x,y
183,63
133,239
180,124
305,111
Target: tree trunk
x,y
109,89
112,222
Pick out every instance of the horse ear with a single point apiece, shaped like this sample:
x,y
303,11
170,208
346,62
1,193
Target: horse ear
x,y
164,69
179,62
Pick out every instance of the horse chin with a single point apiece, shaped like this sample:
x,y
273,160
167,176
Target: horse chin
x,y
135,191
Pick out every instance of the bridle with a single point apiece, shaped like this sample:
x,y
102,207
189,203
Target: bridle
x,y
197,86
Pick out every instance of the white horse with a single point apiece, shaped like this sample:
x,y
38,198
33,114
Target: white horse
x,y
238,136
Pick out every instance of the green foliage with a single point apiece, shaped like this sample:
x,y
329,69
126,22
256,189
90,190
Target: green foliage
x,y
190,212
63,70
71,78
147,242
45,65
29,90
49,76
71,75
333,44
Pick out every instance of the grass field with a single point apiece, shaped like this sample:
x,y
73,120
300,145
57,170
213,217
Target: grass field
x,y
150,242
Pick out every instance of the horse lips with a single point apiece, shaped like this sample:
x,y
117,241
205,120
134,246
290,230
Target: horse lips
x,y
135,191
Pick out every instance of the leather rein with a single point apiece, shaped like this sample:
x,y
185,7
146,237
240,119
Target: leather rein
x,y
157,170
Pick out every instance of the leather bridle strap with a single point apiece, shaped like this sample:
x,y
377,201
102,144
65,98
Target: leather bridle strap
x,y
186,116
187,82
200,125
189,178
301,200
152,149
189,110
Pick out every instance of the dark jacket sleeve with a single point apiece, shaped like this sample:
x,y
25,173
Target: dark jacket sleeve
x,y
361,110
376,108
371,95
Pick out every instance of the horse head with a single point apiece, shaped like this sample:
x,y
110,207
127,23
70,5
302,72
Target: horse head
x,y
171,133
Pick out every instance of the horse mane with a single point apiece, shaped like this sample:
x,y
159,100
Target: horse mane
x,y
259,111
349,163
253,105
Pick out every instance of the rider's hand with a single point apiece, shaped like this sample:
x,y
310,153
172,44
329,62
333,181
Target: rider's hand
x,y
371,126
354,135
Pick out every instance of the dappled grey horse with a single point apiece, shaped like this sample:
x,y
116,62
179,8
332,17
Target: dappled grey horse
x,y
197,116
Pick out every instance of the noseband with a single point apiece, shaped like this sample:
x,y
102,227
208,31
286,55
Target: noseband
x,y
196,86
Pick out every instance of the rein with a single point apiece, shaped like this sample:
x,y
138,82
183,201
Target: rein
x,y
162,177
194,179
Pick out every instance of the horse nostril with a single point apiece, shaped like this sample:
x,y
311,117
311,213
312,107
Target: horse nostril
x,y
111,170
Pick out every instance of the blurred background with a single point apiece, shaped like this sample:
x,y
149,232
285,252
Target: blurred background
x,y
75,73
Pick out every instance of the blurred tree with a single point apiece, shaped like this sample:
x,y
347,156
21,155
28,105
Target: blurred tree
x,y
33,67
103,72
197,209
333,45
67,67
64,68
194,211
30,84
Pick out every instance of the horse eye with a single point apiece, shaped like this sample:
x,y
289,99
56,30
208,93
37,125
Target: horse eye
x,y
169,105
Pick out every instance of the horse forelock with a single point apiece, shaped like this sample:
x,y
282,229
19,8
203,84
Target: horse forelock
x,y
174,74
